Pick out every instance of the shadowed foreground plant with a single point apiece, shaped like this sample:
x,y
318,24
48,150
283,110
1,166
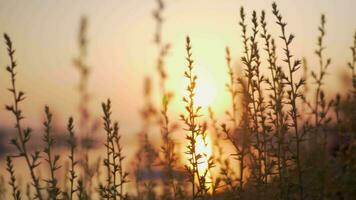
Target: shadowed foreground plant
x,y
276,116
72,144
52,160
226,177
240,154
23,135
118,158
266,125
16,194
248,83
81,194
240,139
246,135
194,130
319,135
293,96
262,127
319,79
113,161
275,113
106,191
252,64
230,132
346,154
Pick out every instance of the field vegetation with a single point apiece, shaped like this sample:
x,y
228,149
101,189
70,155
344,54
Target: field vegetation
x,y
286,140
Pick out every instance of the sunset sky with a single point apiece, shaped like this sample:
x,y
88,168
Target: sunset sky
x,y
122,52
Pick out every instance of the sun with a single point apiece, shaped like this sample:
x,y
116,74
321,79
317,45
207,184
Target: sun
x,y
205,92
203,148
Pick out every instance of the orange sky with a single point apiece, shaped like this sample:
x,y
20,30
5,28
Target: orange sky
x,y
121,49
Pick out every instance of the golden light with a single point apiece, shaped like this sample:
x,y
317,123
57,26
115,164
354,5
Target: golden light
x,y
204,148
205,92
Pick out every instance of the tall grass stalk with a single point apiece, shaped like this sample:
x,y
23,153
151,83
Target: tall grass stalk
x,y
251,61
169,160
16,194
23,135
72,143
193,129
266,124
116,176
318,78
293,95
227,176
240,139
169,157
52,160
277,116
232,88
107,191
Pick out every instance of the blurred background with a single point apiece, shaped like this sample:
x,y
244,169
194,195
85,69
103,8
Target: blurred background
x,y
121,52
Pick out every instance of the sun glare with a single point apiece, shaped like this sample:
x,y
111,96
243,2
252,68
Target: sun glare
x,y
204,148
205,92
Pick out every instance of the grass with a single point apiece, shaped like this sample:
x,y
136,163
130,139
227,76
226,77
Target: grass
x,y
23,135
278,152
